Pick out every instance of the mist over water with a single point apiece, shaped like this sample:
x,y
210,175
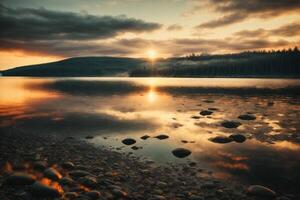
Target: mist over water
x,y
111,109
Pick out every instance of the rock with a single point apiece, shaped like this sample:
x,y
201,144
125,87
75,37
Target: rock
x,y
70,195
128,141
52,174
78,173
247,117
221,139
195,117
119,193
181,152
145,137
213,109
206,112
136,147
230,124
66,181
208,101
89,137
93,194
258,190
184,141
40,166
20,179
68,165
161,137
43,191
88,181
239,138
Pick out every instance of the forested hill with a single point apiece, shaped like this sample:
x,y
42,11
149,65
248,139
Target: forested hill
x,y
283,63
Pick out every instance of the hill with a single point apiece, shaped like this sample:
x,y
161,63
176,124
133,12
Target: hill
x,y
79,66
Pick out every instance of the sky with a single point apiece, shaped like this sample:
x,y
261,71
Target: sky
x,y
39,31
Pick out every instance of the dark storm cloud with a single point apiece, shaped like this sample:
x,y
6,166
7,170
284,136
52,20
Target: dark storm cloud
x,y
236,11
288,30
23,24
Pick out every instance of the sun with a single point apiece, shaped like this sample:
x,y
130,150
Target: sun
x,y
152,54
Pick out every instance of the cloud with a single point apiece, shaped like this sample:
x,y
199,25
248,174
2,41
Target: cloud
x,y
24,24
235,11
174,27
288,30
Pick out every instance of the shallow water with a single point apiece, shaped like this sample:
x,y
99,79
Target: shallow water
x,y
112,109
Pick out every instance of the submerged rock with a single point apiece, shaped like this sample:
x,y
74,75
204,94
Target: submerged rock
x,y
231,124
89,137
181,152
239,138
258,190
128,141
52,174
247,117
221,139
162,137
145,137
206,112
43,191
19,179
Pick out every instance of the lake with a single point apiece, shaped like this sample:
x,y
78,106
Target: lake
x,y
112,109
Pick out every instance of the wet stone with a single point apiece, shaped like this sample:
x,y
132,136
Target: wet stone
x,y
88,181
161,137
206,112
93,194
181,152
39,166
258,190
239,138
78,173
43,191
20,179
119,193
70,195
221,139
52,174
230,124
68,165
145,137
247,117
128,141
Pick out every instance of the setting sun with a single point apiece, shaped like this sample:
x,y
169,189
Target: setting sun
x,y
152,54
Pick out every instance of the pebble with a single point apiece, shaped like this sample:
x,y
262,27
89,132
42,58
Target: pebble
x,y
239,138
78,173
43,191
68,165
206,112
52,174
258,190
93,194
247,117
221,139
88,181
161,137
181,152
39,166
20,179
145,137
128,141
230,124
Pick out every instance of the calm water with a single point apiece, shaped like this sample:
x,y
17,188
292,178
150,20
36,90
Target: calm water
x,y
112,109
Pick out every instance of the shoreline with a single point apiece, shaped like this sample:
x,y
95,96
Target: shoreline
x,y
112,174
101,173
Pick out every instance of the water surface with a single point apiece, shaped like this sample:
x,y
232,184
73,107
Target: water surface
x,y
112,109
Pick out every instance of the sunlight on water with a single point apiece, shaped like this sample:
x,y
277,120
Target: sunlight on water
x,y
112,109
